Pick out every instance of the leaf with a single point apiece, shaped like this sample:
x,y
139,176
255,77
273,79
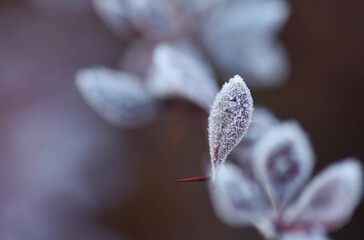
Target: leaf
x,y
237,200
179,71
331,198
114,14
245,41
229,120
282,161
118,97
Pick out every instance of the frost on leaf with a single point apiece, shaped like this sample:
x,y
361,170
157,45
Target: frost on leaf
x,y
283,160
229,119
237,200
118,97
330,199
114,14
248,33
179,71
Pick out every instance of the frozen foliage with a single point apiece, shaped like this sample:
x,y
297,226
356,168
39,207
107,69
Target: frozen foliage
x,y
266,195
114,14
229,119
243,41
118,97
331,197
282,161
238,35
179,71
237,199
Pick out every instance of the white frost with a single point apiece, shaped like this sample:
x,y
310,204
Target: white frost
x,y
229,120
330,199
237,200
282,161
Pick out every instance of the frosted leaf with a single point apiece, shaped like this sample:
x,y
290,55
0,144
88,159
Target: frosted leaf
x,y
330,199
253,17
283,160
114,14
248,33
118,97
229,119
178,71
237,200
156,19
137,58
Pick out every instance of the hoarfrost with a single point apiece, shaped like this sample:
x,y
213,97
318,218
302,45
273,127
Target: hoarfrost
x,y
229,120
283,160
237,200
118,97
330,199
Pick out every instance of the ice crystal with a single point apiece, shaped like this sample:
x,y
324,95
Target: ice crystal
x,y
229,119
118,97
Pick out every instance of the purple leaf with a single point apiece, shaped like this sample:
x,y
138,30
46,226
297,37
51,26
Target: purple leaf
x,y
330,199
282,161
229,120
237,200
118,97
178,71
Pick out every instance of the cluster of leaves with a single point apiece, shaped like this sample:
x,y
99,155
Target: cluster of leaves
x,y
266,188
176,48
174,45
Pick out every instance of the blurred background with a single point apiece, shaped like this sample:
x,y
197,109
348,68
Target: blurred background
x,y
67,174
